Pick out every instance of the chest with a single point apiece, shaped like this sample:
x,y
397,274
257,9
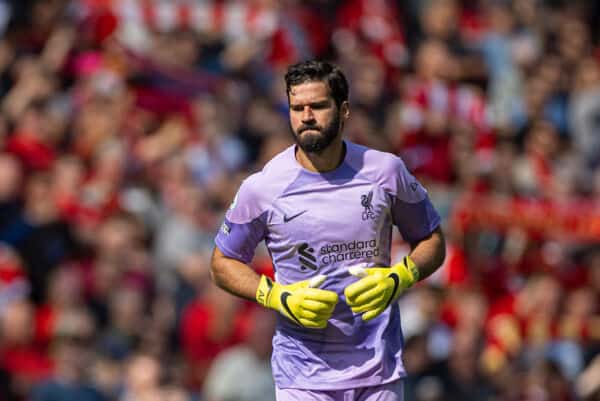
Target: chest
x,y
330,214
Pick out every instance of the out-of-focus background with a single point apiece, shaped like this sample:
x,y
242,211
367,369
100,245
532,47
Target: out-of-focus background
x,y
126,127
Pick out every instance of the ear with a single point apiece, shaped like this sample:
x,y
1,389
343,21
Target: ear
x,y
345,110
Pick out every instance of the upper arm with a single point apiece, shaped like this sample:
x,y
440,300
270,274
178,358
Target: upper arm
x,y
216,257
412,211
219,262
245,225
435,238
219,259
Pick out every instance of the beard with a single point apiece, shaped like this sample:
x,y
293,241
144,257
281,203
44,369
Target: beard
x,y
316,143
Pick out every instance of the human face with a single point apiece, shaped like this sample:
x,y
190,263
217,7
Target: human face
x,y
314,117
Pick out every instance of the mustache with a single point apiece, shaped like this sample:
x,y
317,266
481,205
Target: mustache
x,y
309,127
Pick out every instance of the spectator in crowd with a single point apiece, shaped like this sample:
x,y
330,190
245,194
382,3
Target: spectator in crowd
x,y
68,381
243,372
24,361
142,379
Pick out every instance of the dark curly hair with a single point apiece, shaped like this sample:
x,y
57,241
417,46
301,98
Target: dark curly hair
x,y
315,70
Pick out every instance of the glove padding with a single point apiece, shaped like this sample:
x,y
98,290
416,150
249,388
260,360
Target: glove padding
x,y
379,286
300,302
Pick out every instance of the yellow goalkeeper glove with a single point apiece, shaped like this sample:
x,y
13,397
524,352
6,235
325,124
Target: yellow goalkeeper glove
x,y
379,287
301,302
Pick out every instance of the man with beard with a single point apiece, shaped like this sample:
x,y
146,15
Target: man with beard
x,y
325,208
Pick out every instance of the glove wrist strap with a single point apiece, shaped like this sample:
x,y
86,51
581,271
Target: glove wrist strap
x,y
411,269
264,291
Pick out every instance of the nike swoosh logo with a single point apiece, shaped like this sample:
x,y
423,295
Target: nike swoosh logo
x,y
287,218
284,298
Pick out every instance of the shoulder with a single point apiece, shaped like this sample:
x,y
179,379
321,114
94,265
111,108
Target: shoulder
x,y
258,191
275,176
382,168
388,171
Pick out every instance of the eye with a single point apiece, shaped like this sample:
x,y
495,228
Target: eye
x,y
320,105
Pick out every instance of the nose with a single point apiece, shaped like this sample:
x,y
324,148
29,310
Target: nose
x,y
307,114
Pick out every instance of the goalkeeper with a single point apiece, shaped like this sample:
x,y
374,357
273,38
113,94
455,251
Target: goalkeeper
x,y
325,208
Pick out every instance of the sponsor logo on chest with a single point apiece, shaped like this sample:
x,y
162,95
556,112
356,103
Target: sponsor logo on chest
x,y
335,252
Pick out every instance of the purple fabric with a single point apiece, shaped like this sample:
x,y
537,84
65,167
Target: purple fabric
x,y
393,391
322,224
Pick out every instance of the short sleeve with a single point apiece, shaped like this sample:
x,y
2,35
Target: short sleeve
x,y
412,210
244,226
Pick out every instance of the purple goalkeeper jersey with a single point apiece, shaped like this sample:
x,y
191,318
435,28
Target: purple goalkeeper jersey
x,y
322,223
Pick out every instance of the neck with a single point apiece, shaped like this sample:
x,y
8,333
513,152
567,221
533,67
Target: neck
x,y
322,162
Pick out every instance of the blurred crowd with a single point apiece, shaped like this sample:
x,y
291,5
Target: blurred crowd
x,y
126,127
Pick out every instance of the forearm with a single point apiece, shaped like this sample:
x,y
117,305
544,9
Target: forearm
x,y
429,253
233,276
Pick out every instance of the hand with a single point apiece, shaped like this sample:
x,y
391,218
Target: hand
x,y
379,286
301,302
